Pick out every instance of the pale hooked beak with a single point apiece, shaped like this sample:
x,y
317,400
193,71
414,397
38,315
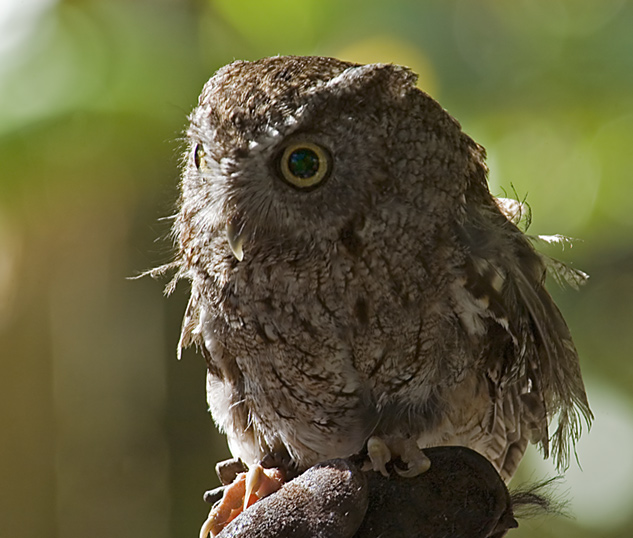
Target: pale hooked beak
x,y
235,236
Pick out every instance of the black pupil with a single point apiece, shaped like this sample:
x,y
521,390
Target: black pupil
x,y
303,163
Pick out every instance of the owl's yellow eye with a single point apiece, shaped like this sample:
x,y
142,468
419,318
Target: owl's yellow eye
x,y
198,156
304,164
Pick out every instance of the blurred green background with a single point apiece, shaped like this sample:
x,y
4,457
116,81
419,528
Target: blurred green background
x,y
103,432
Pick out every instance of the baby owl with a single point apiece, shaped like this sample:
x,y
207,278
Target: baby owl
x,y
354,284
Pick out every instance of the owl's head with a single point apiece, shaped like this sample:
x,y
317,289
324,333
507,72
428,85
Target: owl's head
x,y
291,149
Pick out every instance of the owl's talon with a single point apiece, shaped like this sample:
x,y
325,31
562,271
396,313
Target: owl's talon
x,y
227,509
254,478
246,490
379,455
208,526
418,465
414,457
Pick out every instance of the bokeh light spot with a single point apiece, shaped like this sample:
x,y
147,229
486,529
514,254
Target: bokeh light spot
x,y
601,492
556,171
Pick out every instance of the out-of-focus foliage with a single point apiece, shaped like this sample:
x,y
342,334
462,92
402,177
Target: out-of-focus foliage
x,y
104,433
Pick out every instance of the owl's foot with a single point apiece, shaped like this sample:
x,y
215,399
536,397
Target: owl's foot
x,y
245,490
414,458
380,453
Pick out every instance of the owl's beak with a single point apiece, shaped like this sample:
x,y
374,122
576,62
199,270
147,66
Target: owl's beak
x,y
235,236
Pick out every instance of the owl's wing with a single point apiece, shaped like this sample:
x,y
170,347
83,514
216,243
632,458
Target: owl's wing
x,y
528,351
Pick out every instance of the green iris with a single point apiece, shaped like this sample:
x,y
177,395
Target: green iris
x,y
303,163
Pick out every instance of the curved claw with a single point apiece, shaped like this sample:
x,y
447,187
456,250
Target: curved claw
x,y
417,466
207,526
415,459
254,478
379,455
244,491
226,509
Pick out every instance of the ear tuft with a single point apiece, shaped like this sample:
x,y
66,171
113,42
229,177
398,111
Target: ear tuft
x,y
394,79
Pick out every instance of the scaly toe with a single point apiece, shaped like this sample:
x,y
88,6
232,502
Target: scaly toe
x,y
416,460
226,509
246,489
414,468
379,455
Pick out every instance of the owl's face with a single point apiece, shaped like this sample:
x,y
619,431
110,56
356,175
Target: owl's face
x,y
290,150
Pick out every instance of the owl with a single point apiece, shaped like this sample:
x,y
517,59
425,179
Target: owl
x,y
354,284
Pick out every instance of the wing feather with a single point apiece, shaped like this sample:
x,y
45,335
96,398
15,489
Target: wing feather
x,y
527,347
